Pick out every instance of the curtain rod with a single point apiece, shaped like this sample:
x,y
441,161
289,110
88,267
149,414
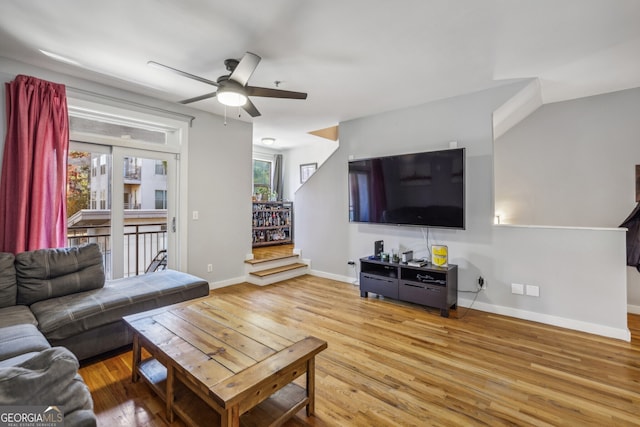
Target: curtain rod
x,y
132,103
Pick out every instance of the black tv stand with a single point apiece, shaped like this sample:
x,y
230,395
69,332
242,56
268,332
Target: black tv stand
x,y
428,285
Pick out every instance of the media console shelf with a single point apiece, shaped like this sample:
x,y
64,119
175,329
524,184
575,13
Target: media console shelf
x,y
429,285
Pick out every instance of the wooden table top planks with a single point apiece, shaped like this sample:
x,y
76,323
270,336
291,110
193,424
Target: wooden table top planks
x,y
230,357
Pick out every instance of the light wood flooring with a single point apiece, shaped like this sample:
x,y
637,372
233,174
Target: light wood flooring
x,y
395,364
268,252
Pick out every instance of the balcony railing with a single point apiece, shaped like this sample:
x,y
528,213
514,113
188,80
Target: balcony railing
x,y
142,242
131,172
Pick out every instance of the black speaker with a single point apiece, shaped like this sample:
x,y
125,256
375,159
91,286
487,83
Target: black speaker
x,y
378,248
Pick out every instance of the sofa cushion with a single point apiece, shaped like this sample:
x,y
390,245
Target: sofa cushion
x,y
60,318
8,289
18,339
16,315
50,273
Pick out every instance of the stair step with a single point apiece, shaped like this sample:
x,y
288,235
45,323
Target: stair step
x,y
274,258
276,270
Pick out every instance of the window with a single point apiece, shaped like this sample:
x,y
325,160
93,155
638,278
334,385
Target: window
x,y
161,167
104,128
161,199
103,164
261,175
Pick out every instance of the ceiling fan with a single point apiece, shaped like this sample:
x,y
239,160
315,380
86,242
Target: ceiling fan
x,y
232,89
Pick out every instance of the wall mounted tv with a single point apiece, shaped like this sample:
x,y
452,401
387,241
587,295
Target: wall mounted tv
x,y
422,189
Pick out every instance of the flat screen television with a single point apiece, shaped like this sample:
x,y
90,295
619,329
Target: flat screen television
x,y
422,189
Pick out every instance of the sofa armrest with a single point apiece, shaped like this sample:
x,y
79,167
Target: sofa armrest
x,y
49,378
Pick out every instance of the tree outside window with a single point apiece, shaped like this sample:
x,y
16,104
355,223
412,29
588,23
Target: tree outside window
x,y
261,176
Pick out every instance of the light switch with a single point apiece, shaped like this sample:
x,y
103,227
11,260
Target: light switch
x,y
533,290
195,215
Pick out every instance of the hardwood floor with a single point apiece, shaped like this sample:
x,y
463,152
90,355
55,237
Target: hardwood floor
x,y
396,364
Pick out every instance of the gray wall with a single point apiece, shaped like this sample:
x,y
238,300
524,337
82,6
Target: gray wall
x,y
573,164
568,272
219,178
316,152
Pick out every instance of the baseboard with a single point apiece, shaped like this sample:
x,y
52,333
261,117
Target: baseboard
x,y
332,276
228,282
633,309
577,325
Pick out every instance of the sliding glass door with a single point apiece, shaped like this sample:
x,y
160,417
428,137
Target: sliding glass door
x,y
145,202
124,175
89,171
124,200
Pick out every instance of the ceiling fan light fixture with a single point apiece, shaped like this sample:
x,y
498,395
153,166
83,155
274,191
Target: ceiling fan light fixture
x,y
231,97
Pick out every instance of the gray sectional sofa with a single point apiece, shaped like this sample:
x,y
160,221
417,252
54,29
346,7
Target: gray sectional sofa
x,y
56,308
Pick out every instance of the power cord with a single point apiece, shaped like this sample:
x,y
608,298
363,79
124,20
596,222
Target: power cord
x,y
355,267
426,241
477,292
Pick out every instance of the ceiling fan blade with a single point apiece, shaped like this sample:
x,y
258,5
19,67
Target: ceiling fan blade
x,y
274,93
199,98
245,68
183,73
251,109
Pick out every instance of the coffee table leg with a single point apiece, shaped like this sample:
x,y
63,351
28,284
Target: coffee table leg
x,y
135,376
170,380
230,417
311,386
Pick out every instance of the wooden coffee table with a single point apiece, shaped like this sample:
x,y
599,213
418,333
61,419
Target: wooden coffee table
x,y
214,363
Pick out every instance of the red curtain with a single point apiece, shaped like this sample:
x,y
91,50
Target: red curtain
x,y
34,166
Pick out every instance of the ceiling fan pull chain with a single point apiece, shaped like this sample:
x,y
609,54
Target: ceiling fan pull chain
x,y
239,112
225,115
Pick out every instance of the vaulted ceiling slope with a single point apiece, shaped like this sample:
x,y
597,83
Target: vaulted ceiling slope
x,y
354,57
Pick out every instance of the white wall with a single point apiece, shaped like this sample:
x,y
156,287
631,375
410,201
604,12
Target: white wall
x,y
220,175
316,152
219,178
573,163
570,278
294,157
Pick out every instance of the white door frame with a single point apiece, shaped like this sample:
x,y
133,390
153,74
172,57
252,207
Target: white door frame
x,y
117,204
176,145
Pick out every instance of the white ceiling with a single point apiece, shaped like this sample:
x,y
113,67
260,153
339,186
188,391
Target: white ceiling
x,y
354,57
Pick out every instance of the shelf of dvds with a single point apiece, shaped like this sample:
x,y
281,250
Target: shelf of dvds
x,y
272,223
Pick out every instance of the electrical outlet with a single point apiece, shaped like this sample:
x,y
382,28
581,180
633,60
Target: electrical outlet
x,y
209,268
517,288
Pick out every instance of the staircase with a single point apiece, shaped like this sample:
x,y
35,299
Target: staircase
x,y
274,269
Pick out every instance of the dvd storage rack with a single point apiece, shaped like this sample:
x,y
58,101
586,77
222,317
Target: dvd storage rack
x,y
272,223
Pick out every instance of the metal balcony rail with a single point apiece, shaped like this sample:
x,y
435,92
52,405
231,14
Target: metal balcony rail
x,y
142,242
